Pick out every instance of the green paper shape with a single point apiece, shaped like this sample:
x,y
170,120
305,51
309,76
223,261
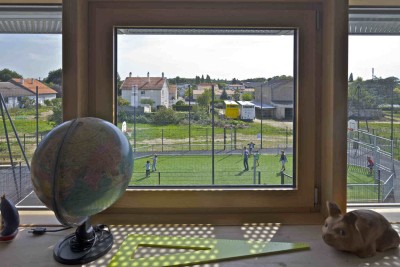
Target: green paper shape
x,y
207,250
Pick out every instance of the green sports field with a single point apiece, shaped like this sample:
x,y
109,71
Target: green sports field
x,y
361,186
184,170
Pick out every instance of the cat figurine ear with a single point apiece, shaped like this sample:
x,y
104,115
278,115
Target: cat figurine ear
x,y
362,232
9,220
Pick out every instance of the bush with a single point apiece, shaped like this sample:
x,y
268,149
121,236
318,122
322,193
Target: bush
x,y
47,102
56,117
165,116
180,103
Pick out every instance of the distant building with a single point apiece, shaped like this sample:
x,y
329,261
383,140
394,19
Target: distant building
x,y
134,89
13,94
235,86
17,88
204,86
277,99
173,95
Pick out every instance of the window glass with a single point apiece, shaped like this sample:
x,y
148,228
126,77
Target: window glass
x,y
30,84
373,149
219,105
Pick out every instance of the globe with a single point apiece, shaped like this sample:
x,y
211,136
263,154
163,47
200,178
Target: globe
x,y
79,169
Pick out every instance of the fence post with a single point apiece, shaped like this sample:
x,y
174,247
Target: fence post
x,y
162,140
379,186
234,138
24,142
20,179
287,136
159,178
282,178
259,177
254,167
207,138
224,138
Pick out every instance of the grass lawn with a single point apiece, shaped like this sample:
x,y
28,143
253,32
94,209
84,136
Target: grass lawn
x,y
184,170
366,191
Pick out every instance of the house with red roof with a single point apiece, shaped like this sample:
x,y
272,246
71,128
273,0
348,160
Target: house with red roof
x,y
12,94
30,84
134,89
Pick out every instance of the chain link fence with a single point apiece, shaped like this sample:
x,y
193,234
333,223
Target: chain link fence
x,y
364,183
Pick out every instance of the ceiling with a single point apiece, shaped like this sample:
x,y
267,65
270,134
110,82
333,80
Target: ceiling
x,y
31,19
48,20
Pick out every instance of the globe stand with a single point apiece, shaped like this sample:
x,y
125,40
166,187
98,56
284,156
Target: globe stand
x,y
87,244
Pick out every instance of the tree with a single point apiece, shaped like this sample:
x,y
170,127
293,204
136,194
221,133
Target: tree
x,y
351,77
188,92
236,95
180,103
119,84
202,78
145,101
208,79
224,95
54,77
26,102
197,80
56,117
122,102
234,81
204,99
247,97
7,74
165,116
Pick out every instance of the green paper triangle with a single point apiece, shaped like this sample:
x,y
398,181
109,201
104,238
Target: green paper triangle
x,y
207,250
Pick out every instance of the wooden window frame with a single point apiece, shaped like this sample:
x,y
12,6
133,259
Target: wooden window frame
x,y
321,115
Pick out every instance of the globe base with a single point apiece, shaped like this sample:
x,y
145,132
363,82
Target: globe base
x,y
66,250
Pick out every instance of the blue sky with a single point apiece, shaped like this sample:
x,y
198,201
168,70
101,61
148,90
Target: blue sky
x,y
31,55
228,57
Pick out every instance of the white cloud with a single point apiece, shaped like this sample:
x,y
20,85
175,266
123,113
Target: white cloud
x,y
219,56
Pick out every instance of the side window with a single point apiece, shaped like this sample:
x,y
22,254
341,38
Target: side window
x,y
40,49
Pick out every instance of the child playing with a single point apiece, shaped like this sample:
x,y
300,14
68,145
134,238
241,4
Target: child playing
x,y
154,166
370,165
257,157
147,169
283,160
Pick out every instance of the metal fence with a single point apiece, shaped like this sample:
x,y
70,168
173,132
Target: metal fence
x,y
15,182
365,184
201,138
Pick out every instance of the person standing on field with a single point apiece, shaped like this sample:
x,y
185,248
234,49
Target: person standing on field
x,y
147,169
283,160
154,166
246,159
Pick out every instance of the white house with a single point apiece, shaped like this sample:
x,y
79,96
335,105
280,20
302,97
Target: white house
x,y
30,84
13,94
134,89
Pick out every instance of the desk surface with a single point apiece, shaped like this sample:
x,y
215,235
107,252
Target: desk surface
x,y
29,250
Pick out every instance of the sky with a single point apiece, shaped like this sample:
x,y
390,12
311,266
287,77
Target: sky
x,y
223,57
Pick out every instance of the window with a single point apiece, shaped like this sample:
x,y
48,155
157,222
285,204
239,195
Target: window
x,y
203,143
31,39
143,92
319,90
373,105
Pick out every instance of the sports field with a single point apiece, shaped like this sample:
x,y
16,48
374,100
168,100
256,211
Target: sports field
x,y
184,170
361,186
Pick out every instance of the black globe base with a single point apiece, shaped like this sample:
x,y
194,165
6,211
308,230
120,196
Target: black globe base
x,y
78,249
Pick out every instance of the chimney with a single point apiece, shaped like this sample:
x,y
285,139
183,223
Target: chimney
x,y
130,74
162,74
148,76
32,81
22,80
